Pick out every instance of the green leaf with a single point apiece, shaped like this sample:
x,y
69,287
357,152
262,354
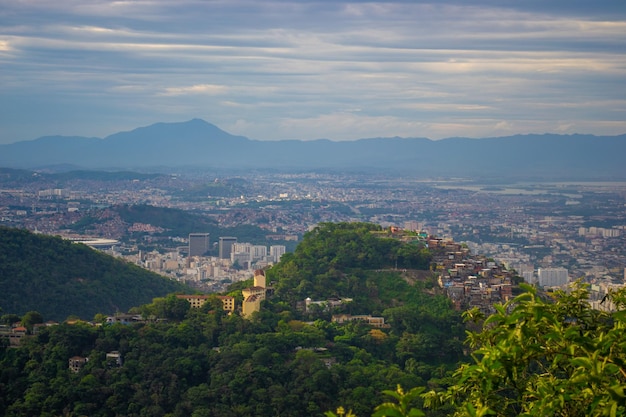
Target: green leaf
x,y
617,392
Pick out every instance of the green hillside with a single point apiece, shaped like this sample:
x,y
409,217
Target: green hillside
x,y
58,278
175,222
179,222
348,260
534,357
285,361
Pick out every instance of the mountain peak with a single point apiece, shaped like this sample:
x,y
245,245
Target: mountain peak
x,y
193,128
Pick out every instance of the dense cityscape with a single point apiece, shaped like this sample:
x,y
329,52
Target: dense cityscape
x,y
579,227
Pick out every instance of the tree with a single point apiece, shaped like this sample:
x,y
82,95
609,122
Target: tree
x,y
170,307
31,318
236,265
9,319
414,256
539,357
402,407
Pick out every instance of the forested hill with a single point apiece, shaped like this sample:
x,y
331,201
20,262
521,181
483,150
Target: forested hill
x,y
285,360
58,278
346,260
533,357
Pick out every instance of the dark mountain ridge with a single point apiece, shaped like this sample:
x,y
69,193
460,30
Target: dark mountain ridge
x,y
199,144
59,278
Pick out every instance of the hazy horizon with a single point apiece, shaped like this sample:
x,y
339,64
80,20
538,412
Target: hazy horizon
x,y
312,139
297,69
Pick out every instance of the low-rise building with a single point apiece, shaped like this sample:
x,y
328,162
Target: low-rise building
x,y
378,322
251,304
228,303
114,359
76,363
194,300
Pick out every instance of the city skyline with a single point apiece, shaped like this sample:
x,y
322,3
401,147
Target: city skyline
x,y
275,70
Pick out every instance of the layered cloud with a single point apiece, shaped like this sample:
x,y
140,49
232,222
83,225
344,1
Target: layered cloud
x,y
289,69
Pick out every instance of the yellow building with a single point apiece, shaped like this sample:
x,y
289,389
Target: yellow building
x,y
251,304
258,291
198,300
378,322
253,296
259,278
228,302
195,300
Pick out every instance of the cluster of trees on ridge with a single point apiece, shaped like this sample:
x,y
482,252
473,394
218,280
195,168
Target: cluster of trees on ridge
x,y
341,259
533,357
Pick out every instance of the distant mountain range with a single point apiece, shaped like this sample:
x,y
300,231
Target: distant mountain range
x,y
198,144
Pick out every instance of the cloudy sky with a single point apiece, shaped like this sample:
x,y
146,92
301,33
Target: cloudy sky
x,y
288,69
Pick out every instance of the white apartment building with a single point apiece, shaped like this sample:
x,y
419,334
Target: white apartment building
x,y
276,252
552,277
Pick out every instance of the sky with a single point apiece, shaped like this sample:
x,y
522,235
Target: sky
x,y
287,69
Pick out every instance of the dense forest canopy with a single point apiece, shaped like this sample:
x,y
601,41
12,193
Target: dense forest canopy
x,y
59,278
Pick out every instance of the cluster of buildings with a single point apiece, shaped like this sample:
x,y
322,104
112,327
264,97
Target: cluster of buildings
x,y
193,264
246,254
252,297
470,281
590,232
16,333
476,281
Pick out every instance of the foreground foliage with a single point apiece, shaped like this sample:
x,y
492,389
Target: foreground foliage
x,y
535,357
541,357
209,364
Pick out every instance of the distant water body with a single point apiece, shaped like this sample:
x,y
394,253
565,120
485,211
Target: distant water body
x,y
564,188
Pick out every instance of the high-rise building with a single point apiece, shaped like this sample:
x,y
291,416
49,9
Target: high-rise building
x,y
226,246
242,248
276,251
199,244
529,276
259,252
242,259
552,277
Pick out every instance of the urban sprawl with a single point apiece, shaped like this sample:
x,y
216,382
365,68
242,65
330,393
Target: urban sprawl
x,y
546,233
